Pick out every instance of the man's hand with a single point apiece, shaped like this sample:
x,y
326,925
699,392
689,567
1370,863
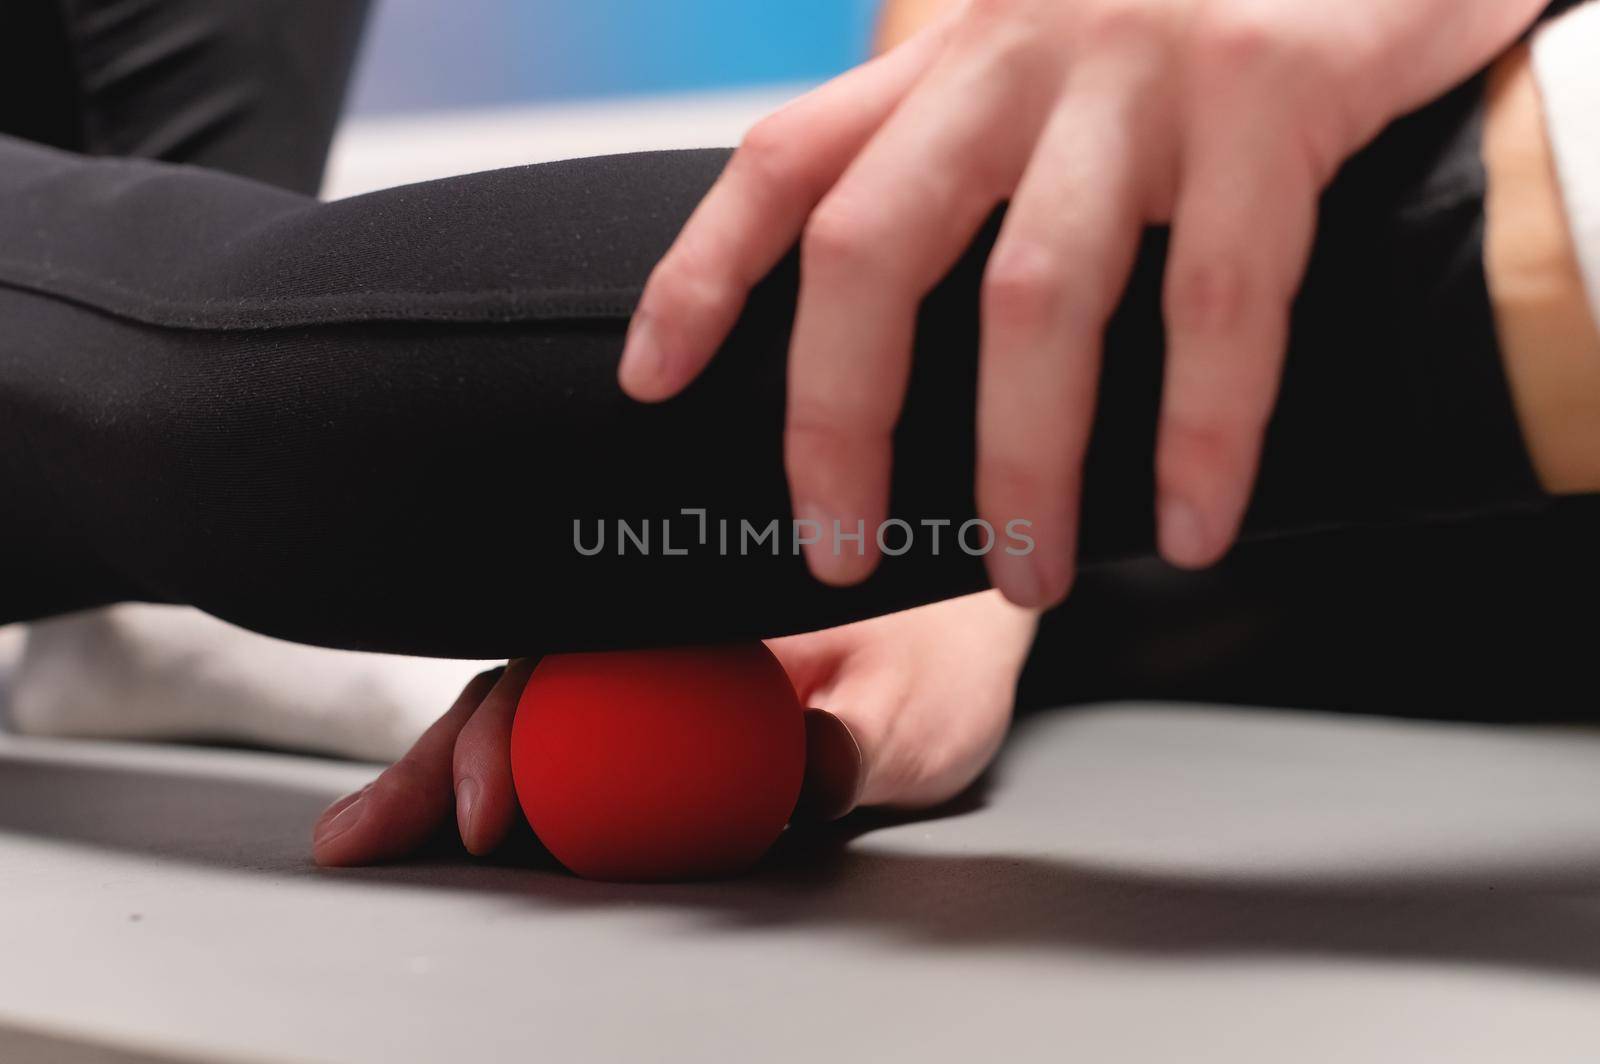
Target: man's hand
x,y
918,700
1094,118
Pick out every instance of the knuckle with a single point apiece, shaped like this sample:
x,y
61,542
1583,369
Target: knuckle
x,y
829,455
686,285
1036,286
1206,295
821,428
1008,479
1249,47
982,181
1336,113
1205,443
1006,34
1337,123
1116,27
1237,42
1025,283
983,14
463,756
841,237
402,780
768,156
814,440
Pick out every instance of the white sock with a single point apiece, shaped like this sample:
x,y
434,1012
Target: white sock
x,y
167,672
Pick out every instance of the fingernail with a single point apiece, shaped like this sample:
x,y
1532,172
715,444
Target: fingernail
x,y
1019,580
1182,536
643,363
344,820
466,806
835,558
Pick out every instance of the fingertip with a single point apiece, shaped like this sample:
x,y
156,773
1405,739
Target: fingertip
x,y
1203,486
485,812
1037,580
466,815
1184,537
839,551
1018,579
839,571
644,372
336,828
334,808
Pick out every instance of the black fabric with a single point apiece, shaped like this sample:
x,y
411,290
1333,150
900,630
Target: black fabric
x,y
1556,7
251,87
39,89
374,424
1489,619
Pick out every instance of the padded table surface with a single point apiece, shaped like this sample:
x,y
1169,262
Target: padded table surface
x,y
1136,882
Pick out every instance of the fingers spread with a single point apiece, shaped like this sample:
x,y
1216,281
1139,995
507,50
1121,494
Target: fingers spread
x,y
1062,260
1242,233
752,217
486,800
403,807
888,232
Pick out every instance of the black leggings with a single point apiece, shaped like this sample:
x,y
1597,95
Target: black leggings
x,y
379,423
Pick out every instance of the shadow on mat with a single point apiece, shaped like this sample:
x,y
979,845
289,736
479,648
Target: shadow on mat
x,y
1536,917
28,1047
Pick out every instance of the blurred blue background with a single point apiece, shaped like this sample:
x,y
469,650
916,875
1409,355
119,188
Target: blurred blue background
x,y
423,54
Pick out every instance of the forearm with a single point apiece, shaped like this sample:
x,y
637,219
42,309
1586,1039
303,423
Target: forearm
x,y
1547,331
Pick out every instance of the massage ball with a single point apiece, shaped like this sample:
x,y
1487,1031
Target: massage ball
x,y
654,765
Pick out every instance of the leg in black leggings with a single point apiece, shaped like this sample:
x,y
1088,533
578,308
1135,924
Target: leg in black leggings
x,y
250,87
375,423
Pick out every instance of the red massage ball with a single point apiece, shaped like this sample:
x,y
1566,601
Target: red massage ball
x,y
659,764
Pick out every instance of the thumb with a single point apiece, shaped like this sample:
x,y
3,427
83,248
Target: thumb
x,y
834,771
